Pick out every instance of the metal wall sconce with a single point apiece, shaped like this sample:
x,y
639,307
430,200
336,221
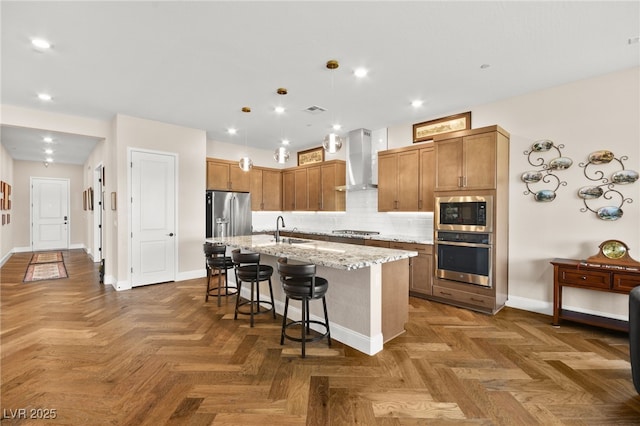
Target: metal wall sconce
x,y
546,173
607,188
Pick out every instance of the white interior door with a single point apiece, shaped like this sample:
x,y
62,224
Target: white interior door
x,y
153,213
49,214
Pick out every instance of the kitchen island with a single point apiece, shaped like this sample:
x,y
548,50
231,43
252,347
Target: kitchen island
x,y
368,297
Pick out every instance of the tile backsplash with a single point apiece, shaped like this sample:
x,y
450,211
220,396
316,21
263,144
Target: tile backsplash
x,y
362,214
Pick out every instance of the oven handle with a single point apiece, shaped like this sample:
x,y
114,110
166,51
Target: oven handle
x,y
453,243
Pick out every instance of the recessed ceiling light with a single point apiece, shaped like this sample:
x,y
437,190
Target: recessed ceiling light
x,y
49,160
279,109
360,72
47,139
44,96
40,43
232,131
336,127
48,151
417,103
285,142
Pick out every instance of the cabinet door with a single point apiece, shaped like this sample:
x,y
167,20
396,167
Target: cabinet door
x,y
314,189
333,175
421,272
426,201
240,180
448,164
271,190
217,175
408,163
301,198
288,191
256,189
479,167
387,182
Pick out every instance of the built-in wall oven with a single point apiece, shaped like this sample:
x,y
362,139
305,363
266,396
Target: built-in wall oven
x,y
464,257
470,213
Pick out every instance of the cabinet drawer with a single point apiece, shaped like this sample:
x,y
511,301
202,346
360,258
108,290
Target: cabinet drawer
x,y
420,248
625,282
464,297
591,279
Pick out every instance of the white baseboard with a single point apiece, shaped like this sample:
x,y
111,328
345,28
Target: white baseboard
x,y
191,275
546,308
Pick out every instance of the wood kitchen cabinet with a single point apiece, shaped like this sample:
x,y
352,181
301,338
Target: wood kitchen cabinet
x,y
421,267
471,159
398,180
406,179
314,187
227,176
266,189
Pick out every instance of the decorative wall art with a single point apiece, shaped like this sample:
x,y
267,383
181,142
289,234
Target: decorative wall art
x,y
313,155
607,189
427,130
5,201
546,174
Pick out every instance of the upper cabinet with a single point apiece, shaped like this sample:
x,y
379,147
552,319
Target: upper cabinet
x,y
227,176
314,187
469,159
266,189
405,179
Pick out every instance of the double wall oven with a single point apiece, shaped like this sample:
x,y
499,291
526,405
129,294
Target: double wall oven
x,y
464,239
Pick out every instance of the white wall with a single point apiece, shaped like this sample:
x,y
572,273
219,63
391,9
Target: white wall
x,y
190,147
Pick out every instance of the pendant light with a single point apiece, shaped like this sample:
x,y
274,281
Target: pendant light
x,y
332,142
281,155
245,162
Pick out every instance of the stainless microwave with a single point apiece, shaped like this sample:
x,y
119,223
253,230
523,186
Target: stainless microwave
x,y
471,213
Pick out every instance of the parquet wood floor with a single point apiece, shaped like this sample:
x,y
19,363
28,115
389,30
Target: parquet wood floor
x,y
162,355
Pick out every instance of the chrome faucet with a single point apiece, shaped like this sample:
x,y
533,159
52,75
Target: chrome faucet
x,y
278,220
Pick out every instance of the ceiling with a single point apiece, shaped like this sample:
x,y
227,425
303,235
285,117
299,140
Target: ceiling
x,y
196,64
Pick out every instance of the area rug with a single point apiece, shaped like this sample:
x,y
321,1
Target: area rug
x,y
46,257
45,266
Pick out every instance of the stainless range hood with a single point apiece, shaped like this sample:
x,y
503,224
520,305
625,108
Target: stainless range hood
x,y
360,162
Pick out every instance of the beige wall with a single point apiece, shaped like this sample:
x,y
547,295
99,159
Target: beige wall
x,y
6,231
588,115
21,212
190,147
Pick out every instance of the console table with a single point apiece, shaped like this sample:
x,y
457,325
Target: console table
x,y
591,276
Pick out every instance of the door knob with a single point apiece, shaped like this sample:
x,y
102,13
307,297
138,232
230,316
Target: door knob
x,y
170,234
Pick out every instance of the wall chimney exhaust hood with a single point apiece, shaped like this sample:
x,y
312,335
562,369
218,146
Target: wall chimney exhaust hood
x,y
362,171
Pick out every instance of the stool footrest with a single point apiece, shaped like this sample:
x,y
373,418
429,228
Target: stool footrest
x,y
304,324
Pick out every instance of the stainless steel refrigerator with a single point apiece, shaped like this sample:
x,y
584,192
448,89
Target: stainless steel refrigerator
x,y
228,214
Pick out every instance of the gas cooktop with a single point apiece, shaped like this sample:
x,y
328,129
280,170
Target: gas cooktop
x,y
354,232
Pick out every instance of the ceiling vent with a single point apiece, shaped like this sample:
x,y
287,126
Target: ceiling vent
x,y
314,109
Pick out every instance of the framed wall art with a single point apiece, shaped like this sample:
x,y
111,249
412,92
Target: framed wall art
x,y
425,131
313,155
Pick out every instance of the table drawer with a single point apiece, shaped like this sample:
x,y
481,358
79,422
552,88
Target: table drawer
x,y
464,297
591,279
625,282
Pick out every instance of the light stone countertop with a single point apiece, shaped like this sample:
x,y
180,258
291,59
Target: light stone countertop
x,y
381,237
332,255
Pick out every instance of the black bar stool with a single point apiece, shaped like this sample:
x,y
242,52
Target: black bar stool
x,y
300,282
217,262
247,268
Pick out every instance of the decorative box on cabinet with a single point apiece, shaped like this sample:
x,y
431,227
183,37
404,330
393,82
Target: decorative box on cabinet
x,y
580,274
227,176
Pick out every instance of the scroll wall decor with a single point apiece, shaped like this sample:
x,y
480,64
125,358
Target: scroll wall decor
x,y
546,174
607,189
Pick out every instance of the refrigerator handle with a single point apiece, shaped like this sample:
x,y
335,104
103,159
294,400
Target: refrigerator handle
x,y
232,228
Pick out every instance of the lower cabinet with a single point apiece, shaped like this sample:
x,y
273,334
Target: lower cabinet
x,y
421,268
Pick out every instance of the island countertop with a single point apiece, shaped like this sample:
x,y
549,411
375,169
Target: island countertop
x,y
333,255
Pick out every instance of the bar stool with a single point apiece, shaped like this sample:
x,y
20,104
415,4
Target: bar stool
x,y
300,282
247,268
216,261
